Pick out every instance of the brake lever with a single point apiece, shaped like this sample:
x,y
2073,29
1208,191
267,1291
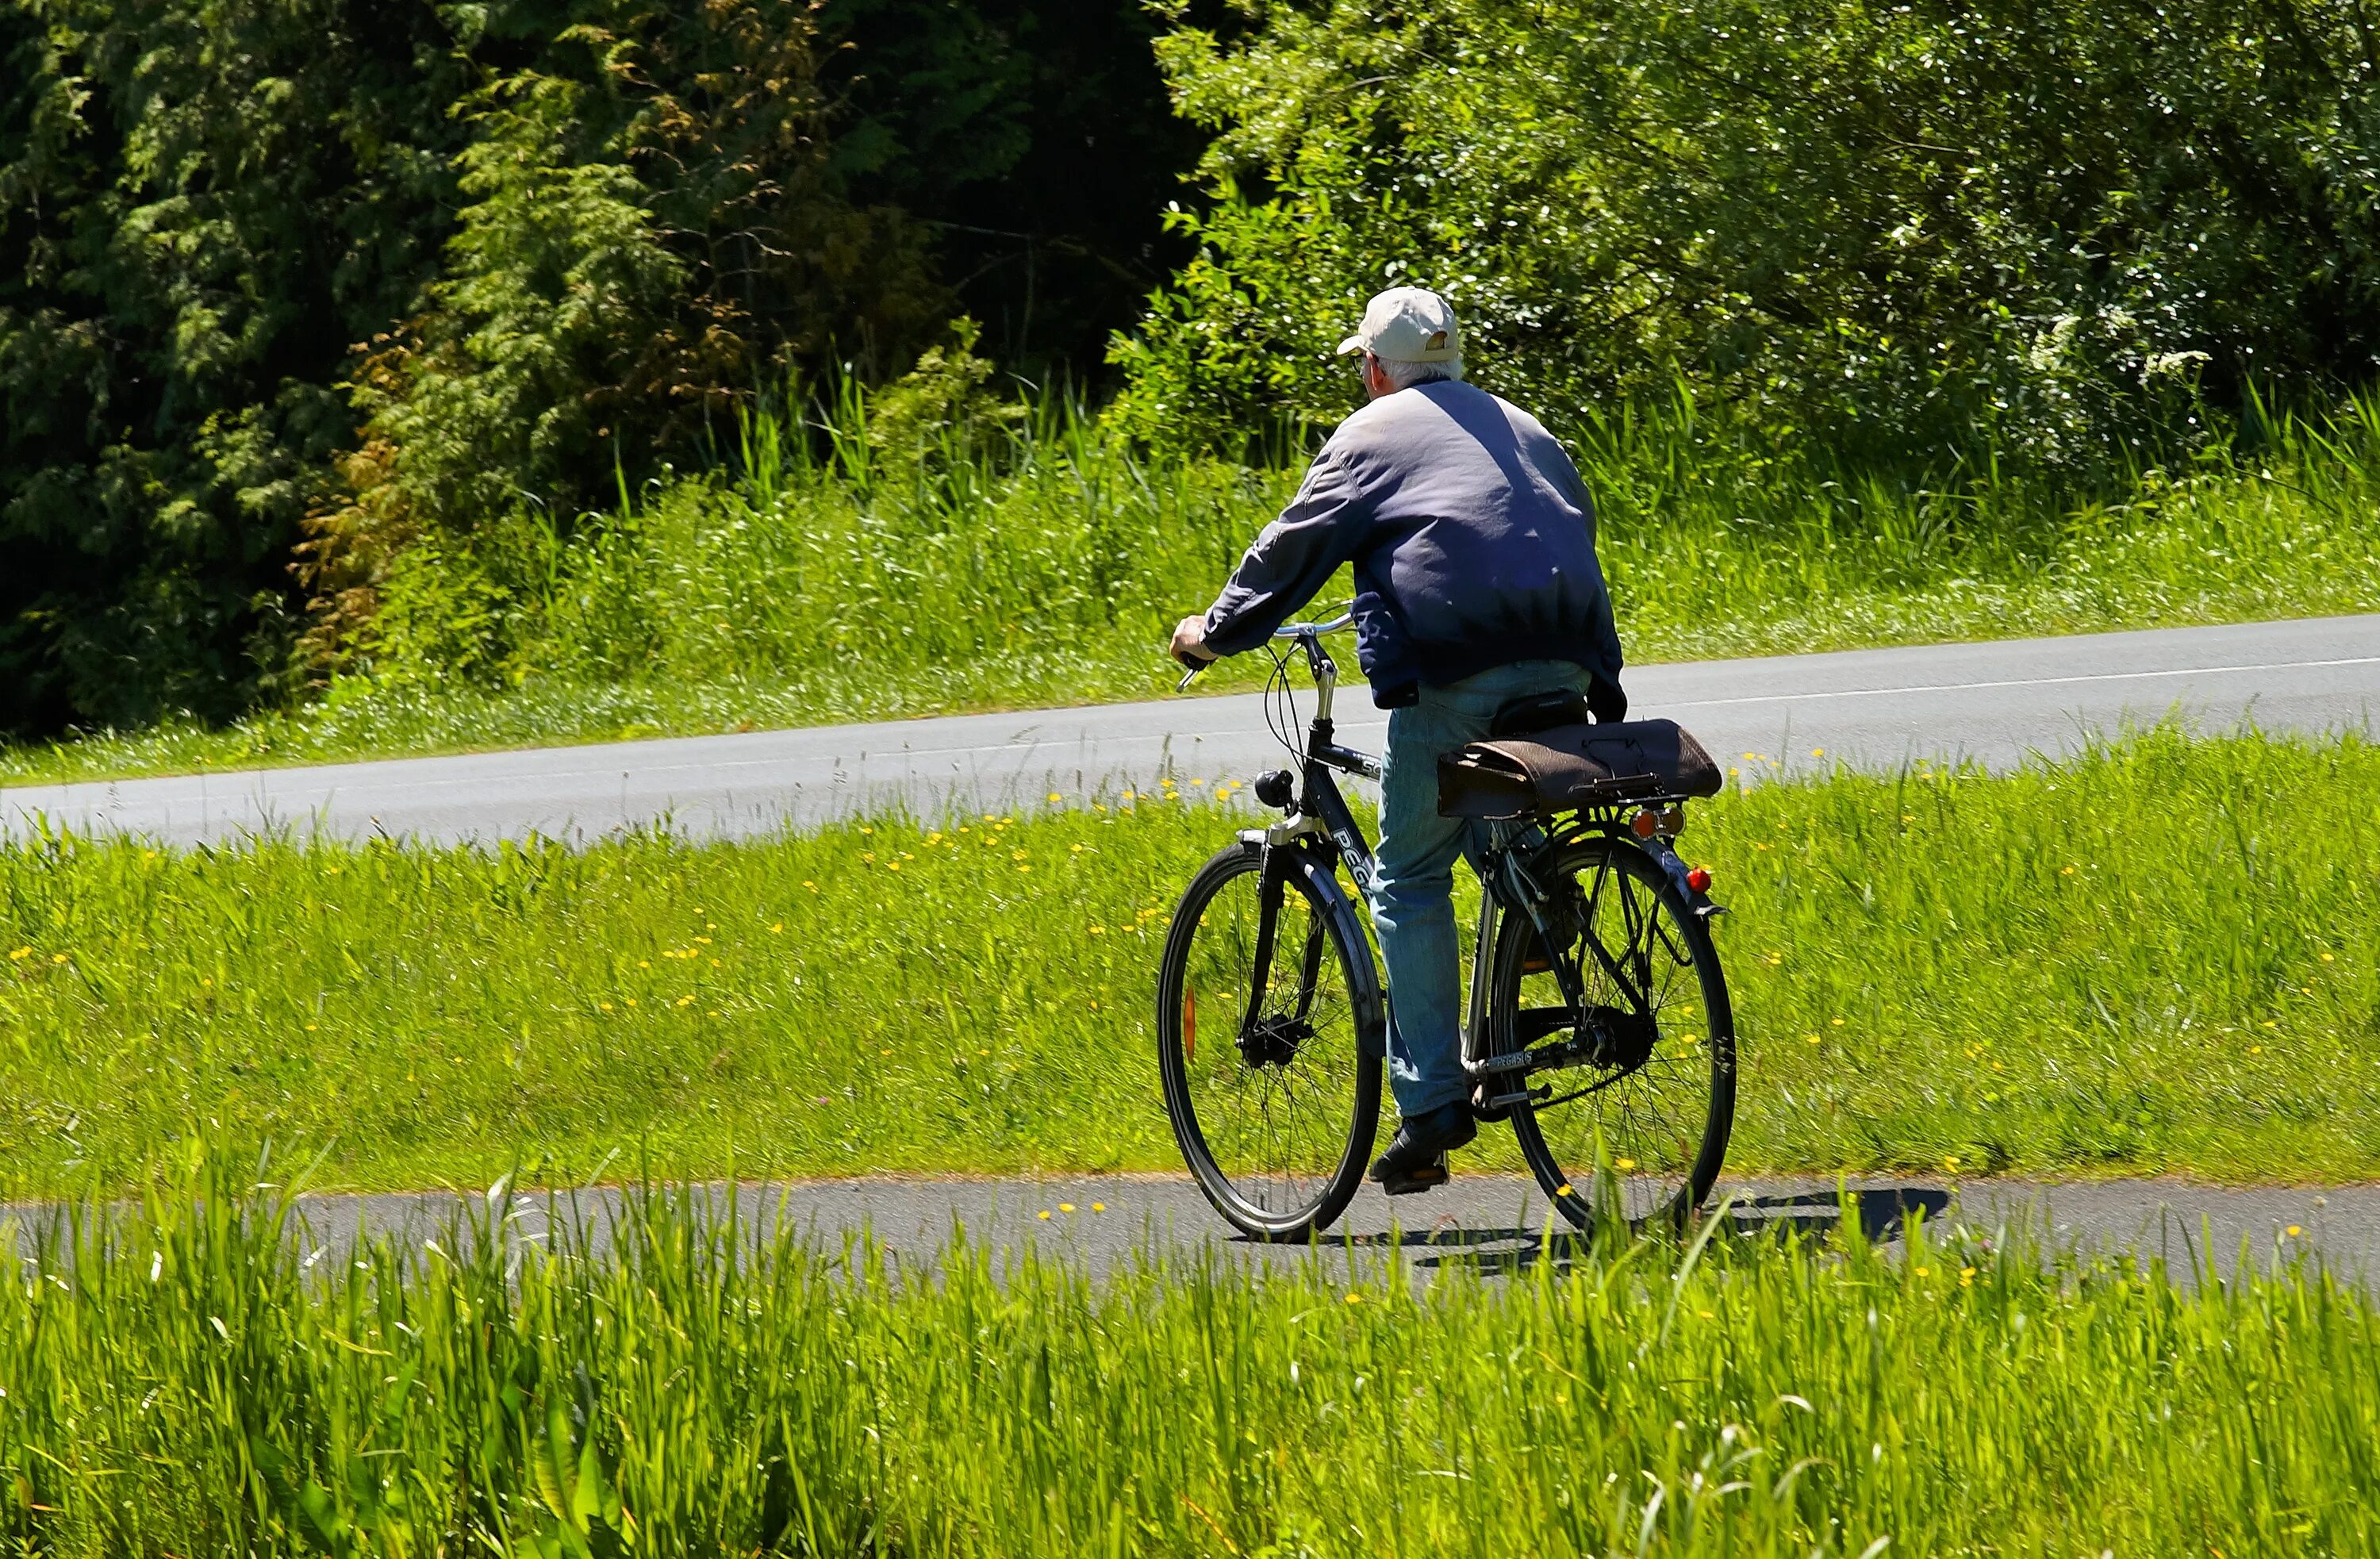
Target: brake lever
x,y
1189,676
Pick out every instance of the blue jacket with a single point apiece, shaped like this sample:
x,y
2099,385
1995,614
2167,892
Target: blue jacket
x,y
1472,540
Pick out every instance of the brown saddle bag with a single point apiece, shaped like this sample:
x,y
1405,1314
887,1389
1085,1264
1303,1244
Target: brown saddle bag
x,y
1568,767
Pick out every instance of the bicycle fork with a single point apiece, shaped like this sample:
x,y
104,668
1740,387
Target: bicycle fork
x,y
1267,1037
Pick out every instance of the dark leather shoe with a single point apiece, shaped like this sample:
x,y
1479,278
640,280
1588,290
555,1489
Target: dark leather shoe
x,y
1415,1159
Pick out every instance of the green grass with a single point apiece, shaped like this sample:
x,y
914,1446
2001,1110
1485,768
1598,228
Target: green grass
x,y
1050,572
181,1380
2157,958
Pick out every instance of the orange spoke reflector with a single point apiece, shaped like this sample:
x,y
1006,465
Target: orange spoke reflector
x,y
1189,1023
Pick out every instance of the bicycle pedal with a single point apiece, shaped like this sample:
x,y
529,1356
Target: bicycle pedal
x,y
1427,1179
1422,1180
1512,1061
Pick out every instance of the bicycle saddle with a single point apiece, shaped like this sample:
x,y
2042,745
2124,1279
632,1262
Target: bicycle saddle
x,y
1539,712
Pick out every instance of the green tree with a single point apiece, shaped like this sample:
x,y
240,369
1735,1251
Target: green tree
x,y
1915,232
566,235
200,207
656,227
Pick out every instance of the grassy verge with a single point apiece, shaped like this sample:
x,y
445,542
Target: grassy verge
x,y
2156,958
180,1381
1050,573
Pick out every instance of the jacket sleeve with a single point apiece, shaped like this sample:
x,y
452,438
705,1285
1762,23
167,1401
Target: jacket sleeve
x,y
1291,559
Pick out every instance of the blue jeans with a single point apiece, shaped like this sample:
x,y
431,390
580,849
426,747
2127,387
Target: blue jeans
x,y
1412,890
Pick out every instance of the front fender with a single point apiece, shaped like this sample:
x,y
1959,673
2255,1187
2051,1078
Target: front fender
x,y
1319,868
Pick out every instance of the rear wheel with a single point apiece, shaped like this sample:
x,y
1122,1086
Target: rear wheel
x,y
1274,1101
1635,1093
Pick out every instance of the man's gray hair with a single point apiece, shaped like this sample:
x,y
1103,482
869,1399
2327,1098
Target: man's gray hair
x,y
1405,375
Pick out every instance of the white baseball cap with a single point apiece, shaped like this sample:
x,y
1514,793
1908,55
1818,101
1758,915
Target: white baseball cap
x,y
1407,324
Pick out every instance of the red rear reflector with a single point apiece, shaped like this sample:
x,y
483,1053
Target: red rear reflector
x,y
1643,824
1189,1024
1699,879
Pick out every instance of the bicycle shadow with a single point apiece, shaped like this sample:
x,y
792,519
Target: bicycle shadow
x,y
1505,1250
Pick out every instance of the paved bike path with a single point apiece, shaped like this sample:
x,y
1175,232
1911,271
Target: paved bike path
x,y
1991,702
1487,1224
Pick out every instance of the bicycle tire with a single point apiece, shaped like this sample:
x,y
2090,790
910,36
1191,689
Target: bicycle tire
x,y
1642,1137
1238,1105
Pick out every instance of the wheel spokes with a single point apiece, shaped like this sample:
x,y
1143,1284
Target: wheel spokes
x,y
1639,1125
1274,1108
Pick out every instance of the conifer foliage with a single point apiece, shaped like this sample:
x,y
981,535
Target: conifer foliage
x,y
290,286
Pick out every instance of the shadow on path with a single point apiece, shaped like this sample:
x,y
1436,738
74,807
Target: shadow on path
x,y
1504,1250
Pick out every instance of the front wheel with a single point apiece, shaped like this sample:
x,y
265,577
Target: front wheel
x,y
1633,1083
1266,1000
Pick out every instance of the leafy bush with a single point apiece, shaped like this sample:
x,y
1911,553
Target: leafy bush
x,y
2002,232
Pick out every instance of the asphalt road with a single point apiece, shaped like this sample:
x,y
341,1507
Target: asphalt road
x,y
1993,703
1486,1223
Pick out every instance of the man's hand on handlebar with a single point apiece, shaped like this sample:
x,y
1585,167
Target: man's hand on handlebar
x,y
1190,643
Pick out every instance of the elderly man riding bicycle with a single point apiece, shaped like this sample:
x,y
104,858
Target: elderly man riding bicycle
x,y
1473,541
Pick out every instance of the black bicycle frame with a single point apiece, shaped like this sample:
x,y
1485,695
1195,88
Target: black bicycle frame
x,y
1318,794
1322,811
1318,801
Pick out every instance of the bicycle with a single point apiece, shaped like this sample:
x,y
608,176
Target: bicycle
x,y
1598,1021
